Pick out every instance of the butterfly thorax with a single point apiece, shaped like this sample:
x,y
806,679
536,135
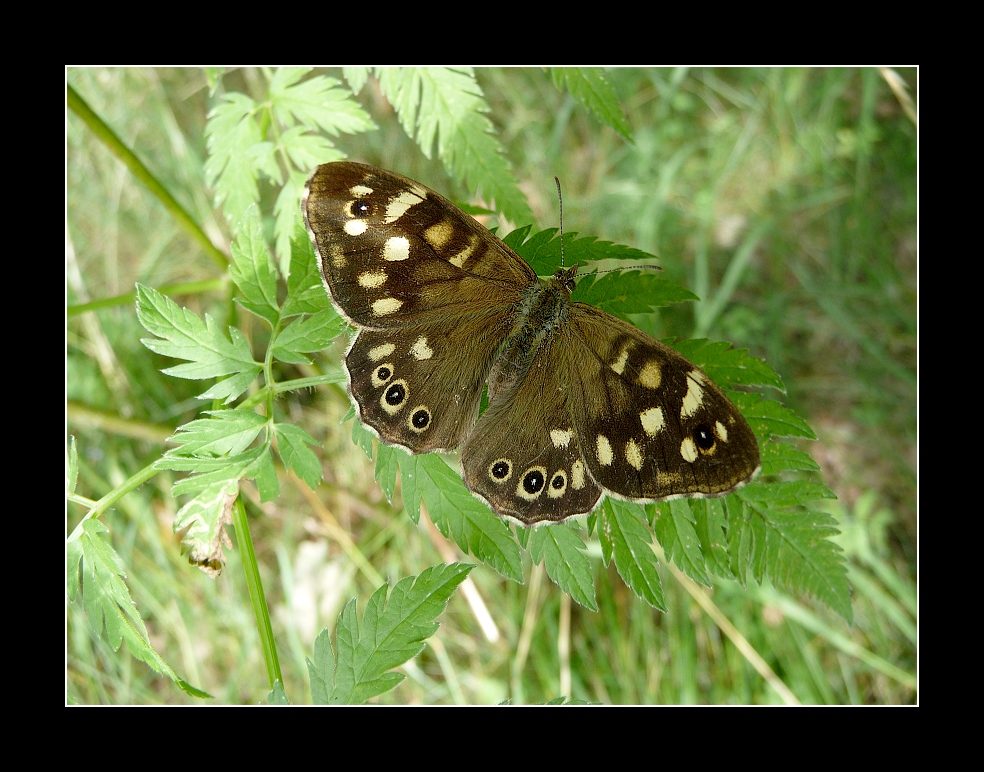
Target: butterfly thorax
x,y
545,307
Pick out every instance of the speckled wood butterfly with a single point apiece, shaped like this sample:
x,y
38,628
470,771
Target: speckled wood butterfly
x,y
580,402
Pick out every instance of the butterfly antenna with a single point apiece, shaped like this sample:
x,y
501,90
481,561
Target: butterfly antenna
x,y
560,198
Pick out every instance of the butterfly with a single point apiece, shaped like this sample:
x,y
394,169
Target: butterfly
x,y
580,403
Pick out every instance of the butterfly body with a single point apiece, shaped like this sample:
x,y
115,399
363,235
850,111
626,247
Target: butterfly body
x,y
580,403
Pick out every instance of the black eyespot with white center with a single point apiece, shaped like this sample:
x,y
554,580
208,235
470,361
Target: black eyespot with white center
x,y
500,470
420,419
394,397
704,437
361,209
532,483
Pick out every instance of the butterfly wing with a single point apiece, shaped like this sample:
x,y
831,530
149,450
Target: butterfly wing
x,y
434,292
605,408
651,424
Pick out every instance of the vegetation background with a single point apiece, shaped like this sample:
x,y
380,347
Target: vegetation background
x,y
784,198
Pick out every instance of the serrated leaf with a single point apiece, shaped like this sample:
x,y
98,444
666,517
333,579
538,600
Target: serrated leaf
x,y
317,101
589,87
461,517
711,528
675,528
787,544
255,464
252,269
231,133
311,334
106,598
393,632
305,292
227,432
562,551
769,418
630,544
541,249
782,457
726,365
631,292
445,105
182,335
292,442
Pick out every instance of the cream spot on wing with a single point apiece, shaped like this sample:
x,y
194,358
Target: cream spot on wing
x,y
603,450
396,248
360,190
421,350
688,450
561,438
577,475
722,433
383,350
652,421
633,454
372,279
337,256
693,398
397,206
651,375
439,234
355,227
462,257
619,364
385,306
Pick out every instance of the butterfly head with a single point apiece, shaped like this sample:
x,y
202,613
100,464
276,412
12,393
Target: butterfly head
x,y
565,278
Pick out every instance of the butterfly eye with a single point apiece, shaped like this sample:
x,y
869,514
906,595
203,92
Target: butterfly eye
x,y
704,437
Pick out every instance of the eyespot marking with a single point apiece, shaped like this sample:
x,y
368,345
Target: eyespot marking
x,y
382,374
558,484
420,419
394,397
500,470
532,483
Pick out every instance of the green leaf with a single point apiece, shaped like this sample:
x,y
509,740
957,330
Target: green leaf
x,y
252,269
305,292
95,572
292,442
445,105
675,528
563,552
727,366
393,632
255,464
630,292
542,251
625,537
782,457
460,516
311,334
776,538
182,335
231,133
226,433
317,101
589,87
